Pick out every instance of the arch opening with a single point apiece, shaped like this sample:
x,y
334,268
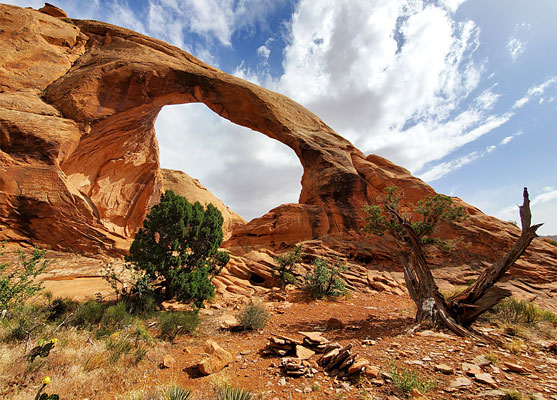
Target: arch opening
x,y
250,172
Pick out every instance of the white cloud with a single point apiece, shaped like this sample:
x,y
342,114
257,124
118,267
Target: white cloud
x,y
533,92
388,75
452,5
264,53
515,48
213,19
445,168
440,170
249,171
549,194
507,139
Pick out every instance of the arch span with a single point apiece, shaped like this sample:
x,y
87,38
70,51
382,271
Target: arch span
x,y
115,91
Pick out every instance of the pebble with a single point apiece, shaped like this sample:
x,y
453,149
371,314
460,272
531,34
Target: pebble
x,y
444,368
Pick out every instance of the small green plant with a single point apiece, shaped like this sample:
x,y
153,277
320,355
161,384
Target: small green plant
x,y
315,387
88,314
511,395
42,349
174,323
44,396
407,379
552,242
286,263
325,280
228,392
492,358
138,292
115,317
515,346
254,317
118,345
60,308
175,392
20,284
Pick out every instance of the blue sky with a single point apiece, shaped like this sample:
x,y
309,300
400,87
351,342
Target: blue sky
x,y
463,93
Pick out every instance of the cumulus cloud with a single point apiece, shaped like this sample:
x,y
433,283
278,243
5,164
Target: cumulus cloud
x,y
213,19
388,75
252,172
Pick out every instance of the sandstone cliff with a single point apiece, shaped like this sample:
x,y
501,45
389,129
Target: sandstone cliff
x,y
79,163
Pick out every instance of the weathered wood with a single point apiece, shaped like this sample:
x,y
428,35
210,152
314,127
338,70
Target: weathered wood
x,y
461,309
472,295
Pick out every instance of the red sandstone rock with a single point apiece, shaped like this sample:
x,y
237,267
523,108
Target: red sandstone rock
x,y
79,165
192,190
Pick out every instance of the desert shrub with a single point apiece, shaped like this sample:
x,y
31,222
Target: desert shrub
x,y
88,314
60,308
174,323
406,379
491,357
228,392
20,284
24,320
130,342
139,292
113,318
178,248
325,280
171,392
286,263
254,317
118,345
522,312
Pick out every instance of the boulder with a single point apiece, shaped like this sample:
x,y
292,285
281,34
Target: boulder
x,y
303,353
335,323
217,360
168,361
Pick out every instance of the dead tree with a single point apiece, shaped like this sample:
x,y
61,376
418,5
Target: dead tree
x,y
460,310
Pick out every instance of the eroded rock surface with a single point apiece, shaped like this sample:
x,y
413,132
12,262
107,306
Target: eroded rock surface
x,y
79,163
193,190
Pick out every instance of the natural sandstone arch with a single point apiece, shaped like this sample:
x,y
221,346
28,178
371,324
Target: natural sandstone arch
x,y
117,95
78,159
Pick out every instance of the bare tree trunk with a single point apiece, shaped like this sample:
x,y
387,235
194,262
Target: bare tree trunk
x,y
462,309
468,305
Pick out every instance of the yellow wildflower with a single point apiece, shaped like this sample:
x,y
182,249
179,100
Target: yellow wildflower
x,y
46,380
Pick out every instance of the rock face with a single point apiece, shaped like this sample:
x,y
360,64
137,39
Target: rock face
x,y
184,185
79,165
